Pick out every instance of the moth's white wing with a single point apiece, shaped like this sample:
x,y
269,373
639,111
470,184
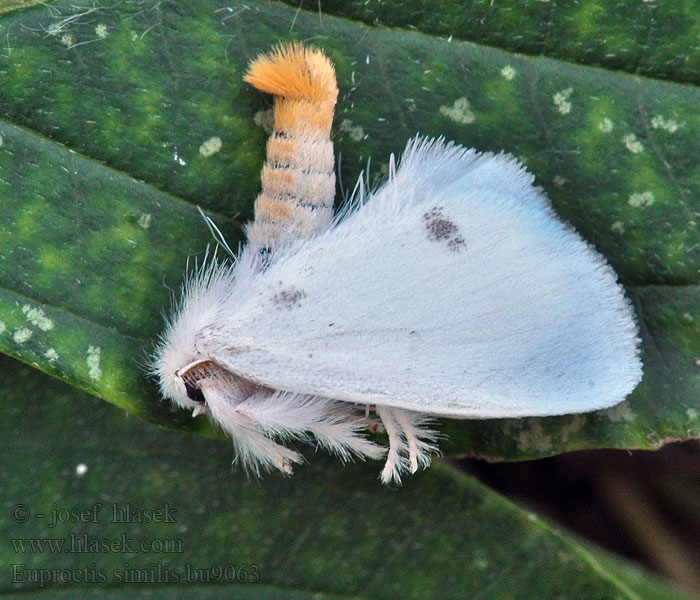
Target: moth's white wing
x,y
454,290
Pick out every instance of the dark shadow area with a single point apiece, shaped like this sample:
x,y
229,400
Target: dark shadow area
x,y
641,504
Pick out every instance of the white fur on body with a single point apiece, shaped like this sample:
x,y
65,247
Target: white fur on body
x,y
453,291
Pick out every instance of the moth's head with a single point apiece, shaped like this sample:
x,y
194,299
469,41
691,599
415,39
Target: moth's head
x,y
181,362
180,370
197,383
185,387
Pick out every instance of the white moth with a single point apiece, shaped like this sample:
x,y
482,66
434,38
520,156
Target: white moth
x,y
452,290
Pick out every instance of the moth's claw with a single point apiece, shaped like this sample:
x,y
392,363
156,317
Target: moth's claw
x,y
200,409
375,427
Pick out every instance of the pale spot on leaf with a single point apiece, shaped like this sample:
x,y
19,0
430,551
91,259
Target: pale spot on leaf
x,y
618,227
561,100
633,144
210,147
508,72
93,362
37,317
459,112
640,199
621,412
532,437
574,425
145,220
606,125
101,30
51,355
265,119
355,132
22,335
659,122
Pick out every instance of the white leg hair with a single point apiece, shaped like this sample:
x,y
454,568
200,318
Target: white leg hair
x,y
255,450
420,439
408,434
336,426
394,461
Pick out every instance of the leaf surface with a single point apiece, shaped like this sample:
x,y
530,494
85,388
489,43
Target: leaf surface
x,y
102,164
331,531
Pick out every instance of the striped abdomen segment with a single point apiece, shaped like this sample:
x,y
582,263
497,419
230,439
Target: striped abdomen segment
x,y
298,179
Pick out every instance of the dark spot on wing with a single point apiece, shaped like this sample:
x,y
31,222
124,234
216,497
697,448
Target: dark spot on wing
x,y
289,298
441,229
456,243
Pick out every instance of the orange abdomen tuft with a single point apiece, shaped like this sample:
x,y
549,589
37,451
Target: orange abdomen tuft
x,y
298,182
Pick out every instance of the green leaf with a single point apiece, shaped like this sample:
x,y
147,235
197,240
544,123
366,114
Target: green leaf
x,y
10,5
331,531
652,38
106,109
